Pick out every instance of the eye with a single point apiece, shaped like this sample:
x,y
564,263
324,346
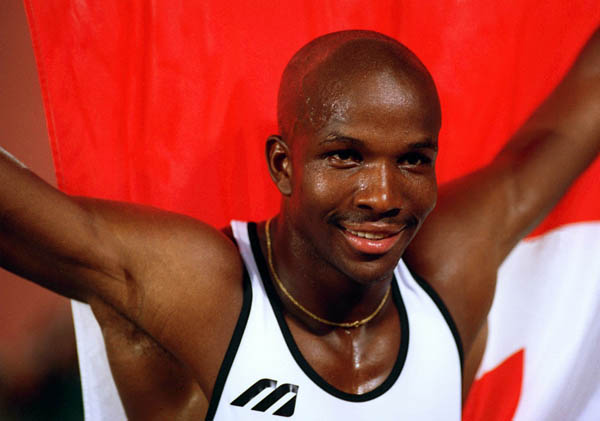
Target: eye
x,y
344,157
414,159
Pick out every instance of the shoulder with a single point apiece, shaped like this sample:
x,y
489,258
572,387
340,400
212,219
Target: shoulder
x,y
174,273
199,296
148,239
189,265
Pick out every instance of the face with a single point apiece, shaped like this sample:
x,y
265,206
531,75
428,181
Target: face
x,y
363,176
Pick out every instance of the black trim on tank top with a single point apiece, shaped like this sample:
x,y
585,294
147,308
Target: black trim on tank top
x,y
232,349
445,313
295,351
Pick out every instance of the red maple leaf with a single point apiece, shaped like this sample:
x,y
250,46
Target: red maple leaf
x,y
495,396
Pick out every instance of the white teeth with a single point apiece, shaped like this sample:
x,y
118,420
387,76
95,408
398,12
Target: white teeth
x,y
366,235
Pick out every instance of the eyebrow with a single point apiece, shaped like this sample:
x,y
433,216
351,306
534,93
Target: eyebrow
x,y
336,137
427,143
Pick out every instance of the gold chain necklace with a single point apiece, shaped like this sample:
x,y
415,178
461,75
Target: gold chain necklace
x,y
306,311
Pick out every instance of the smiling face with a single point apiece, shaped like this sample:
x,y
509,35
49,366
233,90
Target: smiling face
x,y
362,158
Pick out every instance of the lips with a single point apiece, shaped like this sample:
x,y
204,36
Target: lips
x,y
371,238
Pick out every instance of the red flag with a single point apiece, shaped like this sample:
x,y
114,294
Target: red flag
x,y
169,103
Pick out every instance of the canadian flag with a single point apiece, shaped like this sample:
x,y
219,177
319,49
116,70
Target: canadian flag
x,y
169,103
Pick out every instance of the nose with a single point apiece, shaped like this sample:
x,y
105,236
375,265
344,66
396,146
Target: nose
x,y
377,191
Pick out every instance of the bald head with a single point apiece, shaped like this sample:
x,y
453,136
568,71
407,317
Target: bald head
x,y
318,76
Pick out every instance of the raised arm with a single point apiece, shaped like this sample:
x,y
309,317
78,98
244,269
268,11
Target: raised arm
x,y
555,145
151,278
482,216
140,261
48,237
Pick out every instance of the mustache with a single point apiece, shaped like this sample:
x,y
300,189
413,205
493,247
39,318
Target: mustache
x,y
361,217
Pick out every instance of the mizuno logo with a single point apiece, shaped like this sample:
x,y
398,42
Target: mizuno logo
x,y
272,399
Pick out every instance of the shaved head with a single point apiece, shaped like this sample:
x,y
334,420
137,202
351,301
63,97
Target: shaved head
x,y
359,119
314,81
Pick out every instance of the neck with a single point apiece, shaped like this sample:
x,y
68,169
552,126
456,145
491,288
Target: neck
x,y
319,286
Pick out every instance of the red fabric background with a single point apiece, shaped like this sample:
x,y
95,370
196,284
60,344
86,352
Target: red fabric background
x,y
169,102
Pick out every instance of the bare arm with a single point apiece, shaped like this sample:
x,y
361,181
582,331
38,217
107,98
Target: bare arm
x,y
48,237
481,217
158,270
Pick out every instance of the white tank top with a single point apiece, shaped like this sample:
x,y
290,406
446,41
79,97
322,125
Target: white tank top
x,y
264,376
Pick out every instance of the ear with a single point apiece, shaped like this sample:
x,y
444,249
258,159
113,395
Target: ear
x,y
280,163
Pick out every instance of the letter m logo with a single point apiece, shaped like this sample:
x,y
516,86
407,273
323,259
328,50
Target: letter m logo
x,y
286,410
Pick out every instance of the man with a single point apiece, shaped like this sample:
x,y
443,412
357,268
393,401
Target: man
x,y
354,162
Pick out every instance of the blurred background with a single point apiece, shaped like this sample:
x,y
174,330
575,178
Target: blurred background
x,y
39,379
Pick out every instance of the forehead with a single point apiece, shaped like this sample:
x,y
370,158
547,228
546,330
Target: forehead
x,y
378,104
